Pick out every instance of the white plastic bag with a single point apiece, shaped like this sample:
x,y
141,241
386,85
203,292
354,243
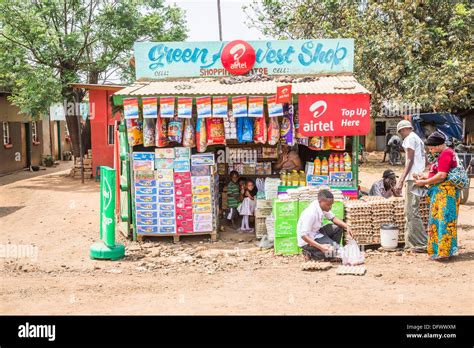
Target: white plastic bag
x,y
351,254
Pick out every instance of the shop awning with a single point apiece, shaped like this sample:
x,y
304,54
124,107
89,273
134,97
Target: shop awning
x,y
260,85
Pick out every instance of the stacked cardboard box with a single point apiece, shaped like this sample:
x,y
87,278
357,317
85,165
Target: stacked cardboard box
x,y
76,170
286,220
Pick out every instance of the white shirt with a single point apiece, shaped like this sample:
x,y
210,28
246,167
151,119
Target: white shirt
x,y
413,141
311,221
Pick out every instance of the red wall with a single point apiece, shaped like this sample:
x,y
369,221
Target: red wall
x,y
101,117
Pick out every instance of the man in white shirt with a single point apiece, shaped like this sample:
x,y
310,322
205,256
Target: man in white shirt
x,y
415,162
318,241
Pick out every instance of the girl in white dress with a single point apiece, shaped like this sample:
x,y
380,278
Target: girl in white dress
x,y
247,207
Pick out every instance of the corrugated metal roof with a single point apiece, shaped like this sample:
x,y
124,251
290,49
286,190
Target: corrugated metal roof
x,y
339,84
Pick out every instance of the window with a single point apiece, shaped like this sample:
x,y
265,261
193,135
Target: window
x,y
111,134
6,134
34,133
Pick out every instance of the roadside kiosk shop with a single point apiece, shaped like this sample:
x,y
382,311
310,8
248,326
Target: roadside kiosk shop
x,y
199,110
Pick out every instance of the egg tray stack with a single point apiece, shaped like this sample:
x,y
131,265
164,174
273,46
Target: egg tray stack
x,y
424,211
381,213
398,208
358,216
308,193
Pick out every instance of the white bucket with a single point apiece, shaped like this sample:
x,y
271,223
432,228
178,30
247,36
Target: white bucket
x,y
389,236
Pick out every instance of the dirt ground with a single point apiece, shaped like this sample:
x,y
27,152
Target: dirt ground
x,y
48,222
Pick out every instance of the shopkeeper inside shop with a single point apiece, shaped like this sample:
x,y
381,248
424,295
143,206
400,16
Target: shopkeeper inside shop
x,y
289,159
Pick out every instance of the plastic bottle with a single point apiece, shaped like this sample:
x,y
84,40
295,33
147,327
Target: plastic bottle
x,y
295,178
336,163
302,178
283,178
347,162
331,163
317,166
341,163
324,167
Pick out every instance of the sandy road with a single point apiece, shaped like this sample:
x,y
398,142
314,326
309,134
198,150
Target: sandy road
x,y
57,218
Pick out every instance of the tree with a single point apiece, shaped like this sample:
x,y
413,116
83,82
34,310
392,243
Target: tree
x,y
45,45
418,52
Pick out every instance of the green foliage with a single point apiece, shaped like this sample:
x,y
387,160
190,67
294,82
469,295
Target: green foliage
x,y
47,44
418,52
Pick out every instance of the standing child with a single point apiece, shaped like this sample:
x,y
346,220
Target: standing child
x,y
233,194
247,207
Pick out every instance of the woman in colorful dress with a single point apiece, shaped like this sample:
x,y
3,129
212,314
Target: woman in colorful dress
x,y
444,200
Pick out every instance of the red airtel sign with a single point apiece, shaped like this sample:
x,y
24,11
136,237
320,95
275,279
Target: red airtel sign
x,y
334,114
238,57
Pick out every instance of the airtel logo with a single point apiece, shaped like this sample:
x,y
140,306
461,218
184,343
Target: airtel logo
x,y
237,51
238,57
284,91
318,108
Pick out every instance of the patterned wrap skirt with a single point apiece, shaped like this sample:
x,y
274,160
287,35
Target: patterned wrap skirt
x,y
444,201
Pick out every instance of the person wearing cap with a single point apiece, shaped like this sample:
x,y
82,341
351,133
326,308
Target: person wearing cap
x,y
415,162
384,187
444,199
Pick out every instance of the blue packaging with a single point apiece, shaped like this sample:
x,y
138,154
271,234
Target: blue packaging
x,y
166,192
147,222
145,198
167,222
146,206
166,184
167,214
182,166
166,207
146,190
143,156
147,229
147,214
166,199
145,183
167,229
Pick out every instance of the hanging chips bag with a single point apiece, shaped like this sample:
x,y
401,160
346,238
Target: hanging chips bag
x,y
260,130
287,125
215,131
134,132
201,136
175,130
273,131
148,132
316,143
245,129
161,134
337,143
189,138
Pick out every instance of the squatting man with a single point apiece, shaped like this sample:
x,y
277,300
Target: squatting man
x,y
317,241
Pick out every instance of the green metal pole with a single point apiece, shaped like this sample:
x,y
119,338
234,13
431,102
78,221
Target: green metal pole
x,y
106,248
355,161
107,205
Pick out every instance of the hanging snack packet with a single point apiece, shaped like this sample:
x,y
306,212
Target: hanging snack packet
x,y
201,136
316,143
134,132
189,138
287,125
148,132
260,130
215,131
337,143
244,129
175,130
161,134
273,131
